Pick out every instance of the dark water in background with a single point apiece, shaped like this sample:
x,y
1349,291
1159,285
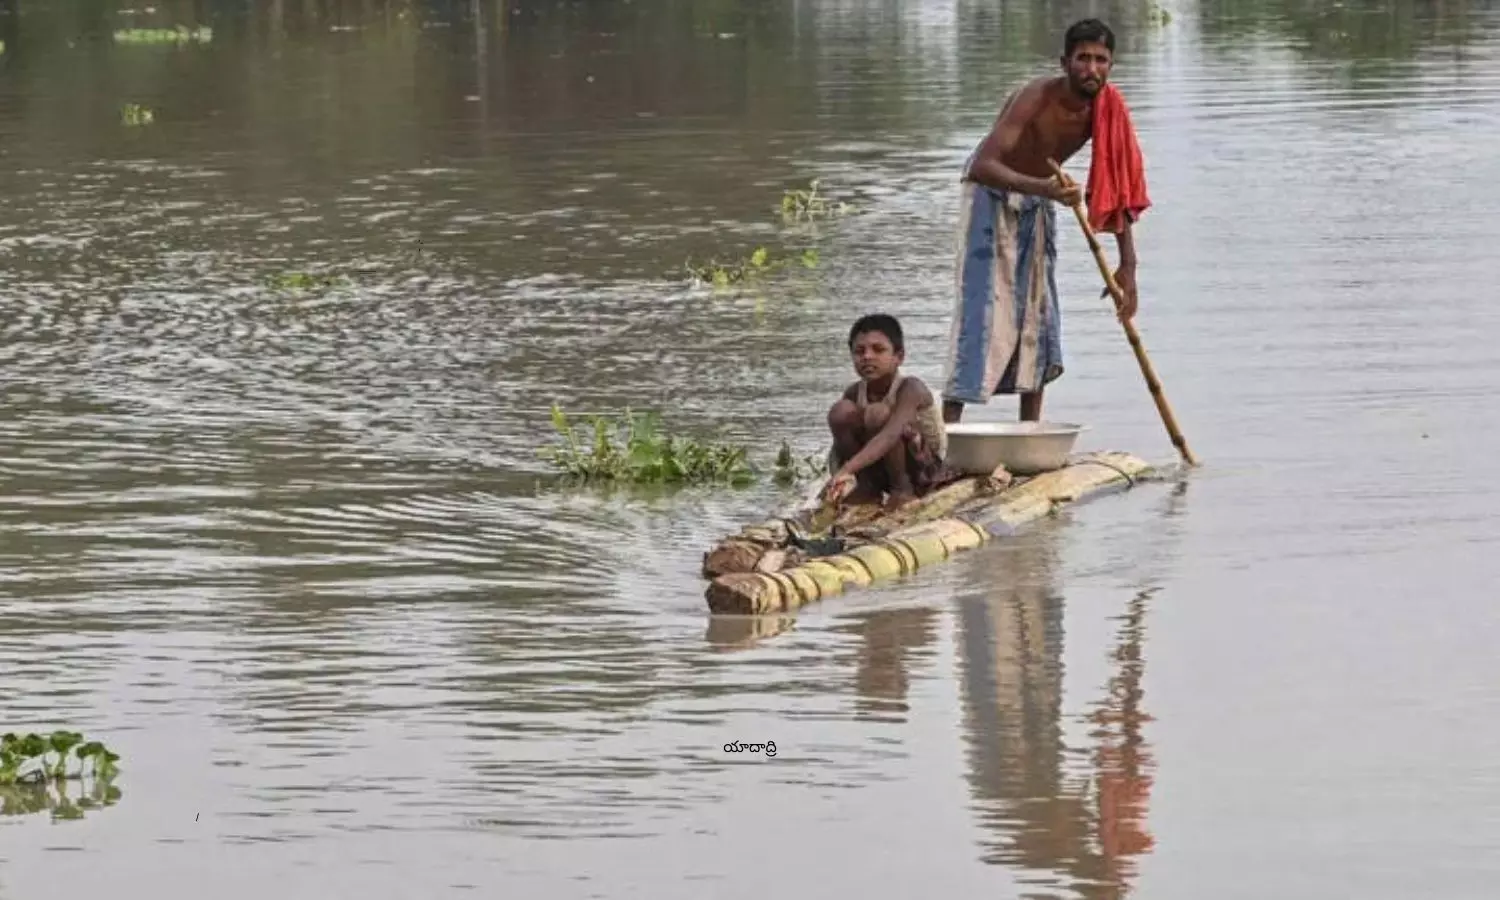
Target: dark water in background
x,y
289,554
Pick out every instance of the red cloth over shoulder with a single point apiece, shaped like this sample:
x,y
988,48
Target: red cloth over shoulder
x,y
1116,192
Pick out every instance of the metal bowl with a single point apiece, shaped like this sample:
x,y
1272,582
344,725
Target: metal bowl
x,y
1023,448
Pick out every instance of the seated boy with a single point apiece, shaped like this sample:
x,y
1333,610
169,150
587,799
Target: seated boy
x,y
888,433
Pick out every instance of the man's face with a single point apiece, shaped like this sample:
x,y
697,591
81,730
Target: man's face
x,y
1088,68
873,355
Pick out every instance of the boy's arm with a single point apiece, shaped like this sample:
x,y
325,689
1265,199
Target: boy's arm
x,y
904,413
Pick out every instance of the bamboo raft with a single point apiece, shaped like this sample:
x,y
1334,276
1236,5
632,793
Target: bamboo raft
x,y
778,565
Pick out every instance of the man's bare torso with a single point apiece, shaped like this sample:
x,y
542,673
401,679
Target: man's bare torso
x,y
1054,131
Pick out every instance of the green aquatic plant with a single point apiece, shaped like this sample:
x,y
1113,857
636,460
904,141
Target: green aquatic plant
x,y
179,35
34,759
791,469
134,114
799,204
758,265
633,449
35,772
1157,13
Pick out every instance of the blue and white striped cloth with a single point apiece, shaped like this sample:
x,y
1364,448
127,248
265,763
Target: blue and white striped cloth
x,y
1006,335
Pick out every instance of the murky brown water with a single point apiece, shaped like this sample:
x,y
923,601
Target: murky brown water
x,y
290,556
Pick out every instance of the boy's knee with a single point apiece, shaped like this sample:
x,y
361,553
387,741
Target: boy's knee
x,y
875,417
844,416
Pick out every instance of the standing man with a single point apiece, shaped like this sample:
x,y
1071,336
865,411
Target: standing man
x,y
1006,335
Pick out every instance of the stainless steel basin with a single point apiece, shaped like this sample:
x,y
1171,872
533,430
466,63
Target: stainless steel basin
x,y
1023,448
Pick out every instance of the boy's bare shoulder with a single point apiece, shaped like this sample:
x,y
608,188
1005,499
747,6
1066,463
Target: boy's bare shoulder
x,y
918,387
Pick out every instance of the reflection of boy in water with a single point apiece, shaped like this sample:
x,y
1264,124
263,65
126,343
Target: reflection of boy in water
x,y
888,433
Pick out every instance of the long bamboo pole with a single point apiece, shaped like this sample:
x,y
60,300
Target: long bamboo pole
x,y
1152,382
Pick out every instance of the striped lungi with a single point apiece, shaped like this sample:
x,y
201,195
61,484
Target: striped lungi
x,y
1006,336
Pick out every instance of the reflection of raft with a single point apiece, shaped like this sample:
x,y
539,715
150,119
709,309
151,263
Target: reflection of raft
x,y
776,566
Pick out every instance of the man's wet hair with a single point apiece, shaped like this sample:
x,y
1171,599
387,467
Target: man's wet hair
x,y
883,323
1088,31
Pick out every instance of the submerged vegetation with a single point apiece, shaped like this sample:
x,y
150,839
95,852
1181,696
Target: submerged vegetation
x,y
27,799
134,114
758,265
797,205
35,771
178,35
791,469
633,449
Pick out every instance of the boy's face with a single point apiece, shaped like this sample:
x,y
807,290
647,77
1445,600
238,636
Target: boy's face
x,y
873,355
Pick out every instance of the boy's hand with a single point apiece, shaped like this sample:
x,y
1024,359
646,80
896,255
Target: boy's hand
x,y
839,487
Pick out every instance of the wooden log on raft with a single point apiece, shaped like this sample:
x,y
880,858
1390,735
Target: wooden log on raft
x,y
914,542
743,552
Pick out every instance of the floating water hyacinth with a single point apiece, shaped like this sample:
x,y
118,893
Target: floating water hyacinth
x,y
34,759
36,771
633,449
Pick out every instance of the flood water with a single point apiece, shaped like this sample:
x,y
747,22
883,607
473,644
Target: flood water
x,y
294,556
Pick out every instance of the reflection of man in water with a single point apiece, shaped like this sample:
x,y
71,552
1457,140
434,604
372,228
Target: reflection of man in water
x,y
1011,653
1122,758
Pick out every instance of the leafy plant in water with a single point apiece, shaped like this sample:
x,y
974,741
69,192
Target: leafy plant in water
x,y
179,35
811,204
135,114
35,772
791,469
633,449
758,265
34,759
1157,13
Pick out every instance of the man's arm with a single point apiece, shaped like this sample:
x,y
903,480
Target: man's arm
x,y
1125,274
1002,140
1125,243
